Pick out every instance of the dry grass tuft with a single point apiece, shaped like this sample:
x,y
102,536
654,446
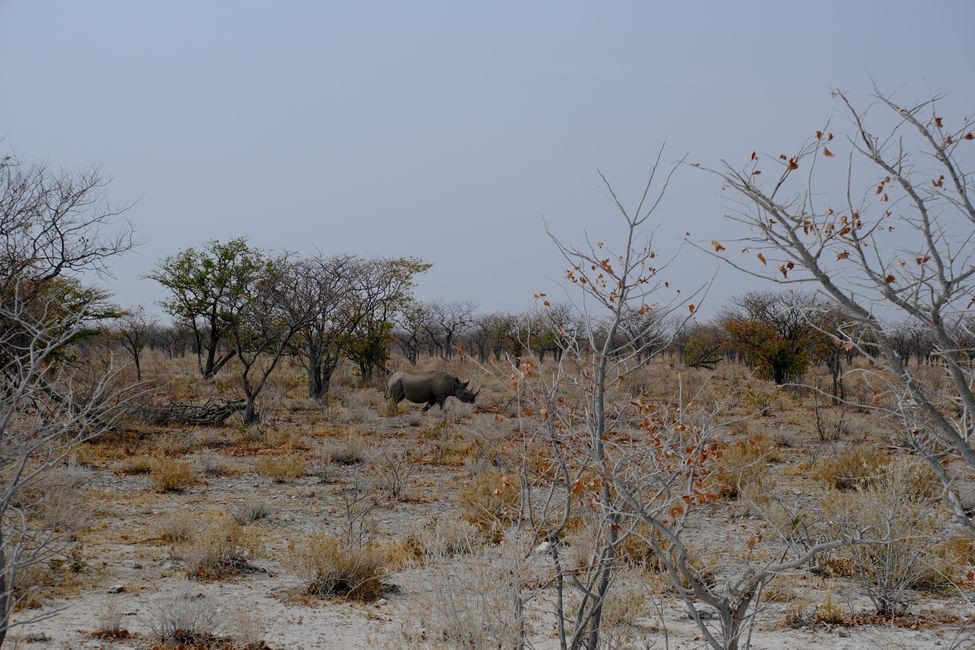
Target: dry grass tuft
x,y
443,538
743,468
349,450
327,567
136,465
177,527
491,501
830,612
854,469
281,469
171,474
250,512
224,549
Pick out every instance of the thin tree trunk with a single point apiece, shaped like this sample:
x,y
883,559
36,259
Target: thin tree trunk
x,y
6,591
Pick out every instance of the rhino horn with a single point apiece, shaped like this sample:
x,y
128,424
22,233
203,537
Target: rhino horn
x,y
478,391
465,384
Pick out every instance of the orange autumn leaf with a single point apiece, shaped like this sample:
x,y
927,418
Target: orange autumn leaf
x,y
761,258
756,172
691,308
754,155
889,279
716,245
843,255
827,152
793,164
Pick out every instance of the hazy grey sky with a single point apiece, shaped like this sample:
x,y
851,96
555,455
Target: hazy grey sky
x,y
444,130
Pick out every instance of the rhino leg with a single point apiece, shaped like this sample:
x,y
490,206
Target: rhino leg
x,y
427,407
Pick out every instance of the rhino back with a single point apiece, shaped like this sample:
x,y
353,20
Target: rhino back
x,y
426,386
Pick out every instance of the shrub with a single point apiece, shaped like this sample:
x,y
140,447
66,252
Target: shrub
x,y
467,603
224,549
327,567
281,469
171,474
393,471
491,501
900,508
636,551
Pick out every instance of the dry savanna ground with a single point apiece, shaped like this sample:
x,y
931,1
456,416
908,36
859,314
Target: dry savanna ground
x,y
347,526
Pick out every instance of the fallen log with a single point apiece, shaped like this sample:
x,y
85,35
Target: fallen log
x,y
213,413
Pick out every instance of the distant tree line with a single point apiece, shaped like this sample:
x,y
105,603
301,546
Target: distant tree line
x,y
231,300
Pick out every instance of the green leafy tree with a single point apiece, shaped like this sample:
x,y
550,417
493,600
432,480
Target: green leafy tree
x,y
205,286
381,289
261,322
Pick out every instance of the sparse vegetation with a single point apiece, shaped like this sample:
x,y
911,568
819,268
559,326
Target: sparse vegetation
x,y
773,467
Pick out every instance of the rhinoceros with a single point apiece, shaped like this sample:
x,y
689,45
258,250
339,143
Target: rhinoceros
x,y
430,387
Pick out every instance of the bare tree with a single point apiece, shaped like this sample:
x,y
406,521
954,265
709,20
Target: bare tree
x,y
895,237
51,228
445,322
582,409
322,291
411,328
134,330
